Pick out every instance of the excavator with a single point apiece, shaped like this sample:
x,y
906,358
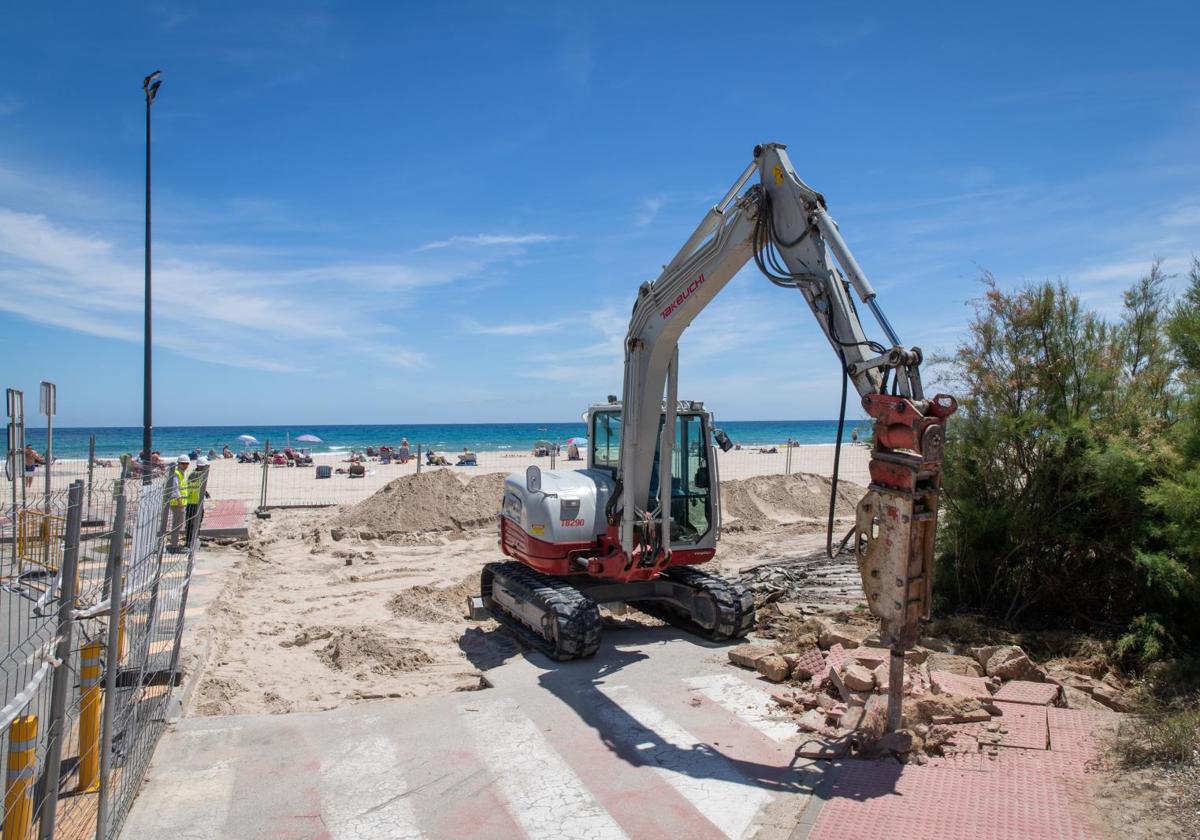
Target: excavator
x,y
634,526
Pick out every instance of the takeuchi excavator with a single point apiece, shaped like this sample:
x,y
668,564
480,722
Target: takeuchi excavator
x,y
632,528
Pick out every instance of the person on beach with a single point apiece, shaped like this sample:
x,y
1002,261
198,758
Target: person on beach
x,y
405,453
467,459
32,462
226,452
194,487
176,492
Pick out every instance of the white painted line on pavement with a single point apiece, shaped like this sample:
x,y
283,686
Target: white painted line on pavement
x,y
542,792
752,705
706,779
363,794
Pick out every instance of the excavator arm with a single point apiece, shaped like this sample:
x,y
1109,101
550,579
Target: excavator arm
x,y
783,225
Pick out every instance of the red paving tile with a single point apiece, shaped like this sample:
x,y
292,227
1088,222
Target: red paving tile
x,y
1026,726
225,515
1033,693
885,801
948,683
1077,731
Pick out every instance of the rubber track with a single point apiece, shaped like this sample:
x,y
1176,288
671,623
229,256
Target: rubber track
x,y
735,605
576,615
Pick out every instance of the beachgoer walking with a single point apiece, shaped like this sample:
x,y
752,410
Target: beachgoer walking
x,y
176,493
32,462
196,485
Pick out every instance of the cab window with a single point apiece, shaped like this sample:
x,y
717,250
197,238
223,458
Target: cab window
x,y
606,440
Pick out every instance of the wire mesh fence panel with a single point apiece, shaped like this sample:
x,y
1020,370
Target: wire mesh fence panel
x,y
93,607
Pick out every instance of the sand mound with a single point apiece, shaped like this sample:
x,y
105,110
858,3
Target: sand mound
x,y
767,500
435,604
358,648
437,500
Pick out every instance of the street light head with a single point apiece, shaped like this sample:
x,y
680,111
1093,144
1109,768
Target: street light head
x,y
152,91
146,81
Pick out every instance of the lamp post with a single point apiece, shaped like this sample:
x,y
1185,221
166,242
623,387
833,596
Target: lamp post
x,y
150,87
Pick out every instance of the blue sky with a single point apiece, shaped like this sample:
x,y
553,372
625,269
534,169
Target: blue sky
x,y
397,213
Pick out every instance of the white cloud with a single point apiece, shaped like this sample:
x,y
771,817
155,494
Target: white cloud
x,y
481,240
1186,216
215,312
514,329
647,210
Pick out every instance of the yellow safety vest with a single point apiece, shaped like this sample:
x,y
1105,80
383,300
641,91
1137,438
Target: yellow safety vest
x,y
182,482
193,488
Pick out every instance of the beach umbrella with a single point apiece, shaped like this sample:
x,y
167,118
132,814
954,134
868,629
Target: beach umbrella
x,y
577,441
308,439
247,438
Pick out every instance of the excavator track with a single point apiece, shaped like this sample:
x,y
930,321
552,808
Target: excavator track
x,y
734,605
569,620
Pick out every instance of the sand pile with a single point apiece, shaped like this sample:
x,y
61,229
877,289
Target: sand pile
x,y
767,500
361,648
437,500
435,604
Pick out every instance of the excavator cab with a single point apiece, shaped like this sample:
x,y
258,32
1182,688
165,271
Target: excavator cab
x,y
694,492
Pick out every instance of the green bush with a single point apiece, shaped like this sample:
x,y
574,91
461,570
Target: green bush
x,y
1072,471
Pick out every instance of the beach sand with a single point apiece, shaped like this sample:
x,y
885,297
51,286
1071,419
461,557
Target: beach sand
x,y
300,486
345,605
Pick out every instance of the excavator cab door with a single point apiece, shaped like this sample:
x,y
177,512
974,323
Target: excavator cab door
x,y
691,484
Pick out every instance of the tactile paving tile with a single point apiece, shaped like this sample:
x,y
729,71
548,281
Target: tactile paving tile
x,y
1032,693
880,801
1026,725
811,660
1077,731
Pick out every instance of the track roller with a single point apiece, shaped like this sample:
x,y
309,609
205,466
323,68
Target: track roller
x,y
547,612
721,609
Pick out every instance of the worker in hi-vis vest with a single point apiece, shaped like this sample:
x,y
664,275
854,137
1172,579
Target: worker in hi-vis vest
x,y
176,494
195,488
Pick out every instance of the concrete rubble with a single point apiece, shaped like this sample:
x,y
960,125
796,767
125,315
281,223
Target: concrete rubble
x,y
957,701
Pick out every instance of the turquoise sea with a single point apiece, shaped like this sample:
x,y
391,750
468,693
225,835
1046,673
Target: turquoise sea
x,y
170,440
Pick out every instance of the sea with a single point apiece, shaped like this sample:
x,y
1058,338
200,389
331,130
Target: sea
x,y
111,442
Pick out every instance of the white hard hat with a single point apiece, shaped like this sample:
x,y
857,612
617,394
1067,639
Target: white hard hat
x,y
183,459
201,461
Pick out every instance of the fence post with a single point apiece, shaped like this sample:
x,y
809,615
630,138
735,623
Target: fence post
x,y
89,718
116,652
787,469
62,672
18,779
418,459
91,467
262,498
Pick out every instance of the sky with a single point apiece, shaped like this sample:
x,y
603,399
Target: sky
x,y
395,213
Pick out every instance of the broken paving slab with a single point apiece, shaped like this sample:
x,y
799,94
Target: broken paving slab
x,y
944,682
818,746
1031,693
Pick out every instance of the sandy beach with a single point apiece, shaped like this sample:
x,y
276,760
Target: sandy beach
x,y
300,486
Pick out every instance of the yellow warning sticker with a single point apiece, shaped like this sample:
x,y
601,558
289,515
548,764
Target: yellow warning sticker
x,y
538,529
778,173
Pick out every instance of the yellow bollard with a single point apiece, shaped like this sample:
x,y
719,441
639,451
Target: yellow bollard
x,y
89,718
18,781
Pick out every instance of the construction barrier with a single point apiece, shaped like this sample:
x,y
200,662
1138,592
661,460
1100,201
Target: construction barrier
x,y
89,718
19,777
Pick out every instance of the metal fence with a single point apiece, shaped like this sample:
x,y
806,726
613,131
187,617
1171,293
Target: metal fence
x,y
93,601
278,481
